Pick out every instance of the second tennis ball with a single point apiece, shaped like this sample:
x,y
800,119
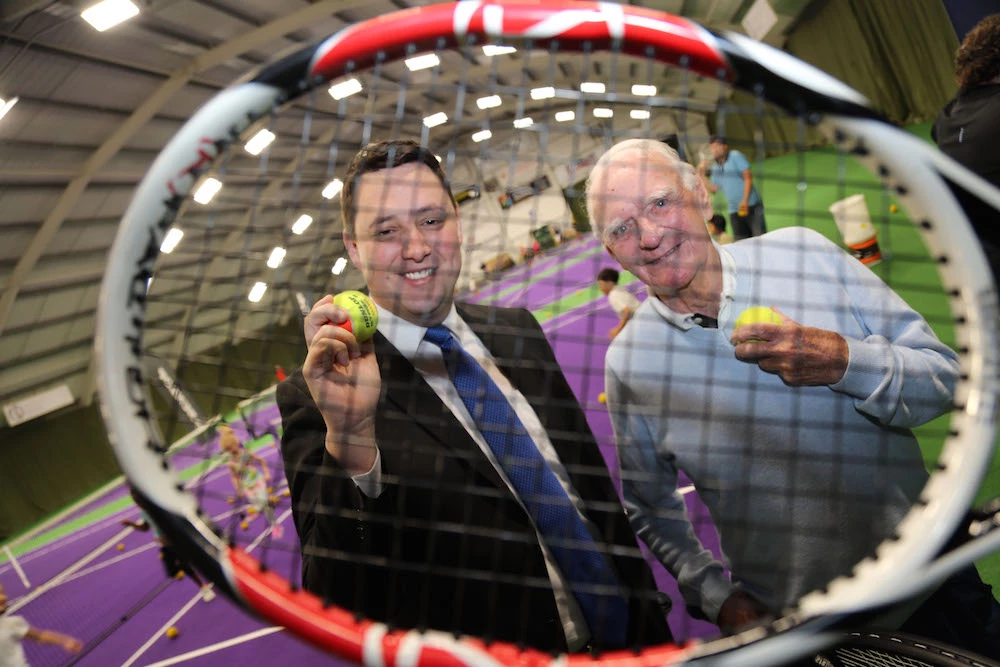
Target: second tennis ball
x,y
755,315
364,315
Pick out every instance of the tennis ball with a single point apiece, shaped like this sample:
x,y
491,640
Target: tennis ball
x,y
602,397
121,547
172,632
893,208
754,315
179,575
364,315
244,525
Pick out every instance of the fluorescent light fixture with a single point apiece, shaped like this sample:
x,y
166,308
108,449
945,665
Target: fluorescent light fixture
x,y
339,91
603,112
497,50
208,190
170,241
638,114
259,142
523,122
488,102
644,90
592,87
422,62
564,116
7,106
278,254
257,292
436,119
543,93
482,135
438,158
333,188
109,13
302,224
339,266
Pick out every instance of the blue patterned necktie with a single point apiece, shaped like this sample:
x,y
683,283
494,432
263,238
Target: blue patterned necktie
x,y
592,582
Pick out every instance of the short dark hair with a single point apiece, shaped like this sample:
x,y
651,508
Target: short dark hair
x,y
716,139
609,275
718,221
977,60
380,155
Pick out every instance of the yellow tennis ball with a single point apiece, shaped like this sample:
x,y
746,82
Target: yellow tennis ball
x,y
755,315
602,397
893,208
121,547
364,315
172,632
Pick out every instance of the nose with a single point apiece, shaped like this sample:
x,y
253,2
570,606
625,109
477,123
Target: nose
x,y
649,234
415,245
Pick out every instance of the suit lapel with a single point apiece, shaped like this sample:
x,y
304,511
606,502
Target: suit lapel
x,y
405,390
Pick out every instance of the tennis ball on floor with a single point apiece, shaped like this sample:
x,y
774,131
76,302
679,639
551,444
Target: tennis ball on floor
x,y
230,500
244,525
893,208
251,511
172,632
121,547
755,315
602,397
364,315
179,575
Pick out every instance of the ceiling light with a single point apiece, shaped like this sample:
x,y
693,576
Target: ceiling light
x,y
592,87
259,142
339,266
274,261
208,189
497,50
638,114
563,116
436,119
488,102
423,62
171,240
333,188
109,13
302,224
543,93
482,135
7,106
339,91
644,90
603,112
257,292
523,122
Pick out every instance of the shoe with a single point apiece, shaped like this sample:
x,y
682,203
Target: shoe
x,y
207,594
277,532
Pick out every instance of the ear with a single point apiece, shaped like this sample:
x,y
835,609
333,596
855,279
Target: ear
x,y
703,201
352,250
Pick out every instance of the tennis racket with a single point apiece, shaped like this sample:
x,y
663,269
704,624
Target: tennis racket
x,y
581,77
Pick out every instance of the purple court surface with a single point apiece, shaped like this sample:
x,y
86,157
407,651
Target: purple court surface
x,y
87,575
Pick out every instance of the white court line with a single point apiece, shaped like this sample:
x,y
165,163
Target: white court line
x,y
156,635
110,561
217,647
17,568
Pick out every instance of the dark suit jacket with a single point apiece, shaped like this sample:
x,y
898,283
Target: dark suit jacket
x,y
446,545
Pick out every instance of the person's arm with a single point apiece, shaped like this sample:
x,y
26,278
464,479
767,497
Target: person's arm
x,y
705,177
265,471
626,316
655,508
898,372
69,644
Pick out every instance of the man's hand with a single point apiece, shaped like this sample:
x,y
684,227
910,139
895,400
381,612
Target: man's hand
x,y
800,356
343,378
743,210
741,611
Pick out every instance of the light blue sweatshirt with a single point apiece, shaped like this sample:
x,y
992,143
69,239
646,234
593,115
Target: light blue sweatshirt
x,y
801,482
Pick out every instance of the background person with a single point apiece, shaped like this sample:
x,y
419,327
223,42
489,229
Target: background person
x,y
622,301
730,172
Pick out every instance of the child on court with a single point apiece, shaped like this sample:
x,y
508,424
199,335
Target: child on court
x,y
249,475
622,301
14,629
717,228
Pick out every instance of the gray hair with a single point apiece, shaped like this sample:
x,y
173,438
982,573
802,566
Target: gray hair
x,y
688,175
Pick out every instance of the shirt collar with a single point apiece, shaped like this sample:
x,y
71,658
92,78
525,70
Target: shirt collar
x,y
406,336
685,321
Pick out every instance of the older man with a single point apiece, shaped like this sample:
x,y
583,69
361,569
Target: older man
x,y
796,434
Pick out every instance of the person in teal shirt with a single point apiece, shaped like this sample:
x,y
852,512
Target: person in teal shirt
x,y
731,174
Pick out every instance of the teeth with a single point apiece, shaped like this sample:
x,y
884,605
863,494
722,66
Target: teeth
x,y
417,275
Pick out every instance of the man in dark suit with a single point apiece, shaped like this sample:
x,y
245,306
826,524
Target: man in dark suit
x,y
404,510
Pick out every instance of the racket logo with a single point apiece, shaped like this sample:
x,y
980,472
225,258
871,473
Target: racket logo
x,y
208,150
